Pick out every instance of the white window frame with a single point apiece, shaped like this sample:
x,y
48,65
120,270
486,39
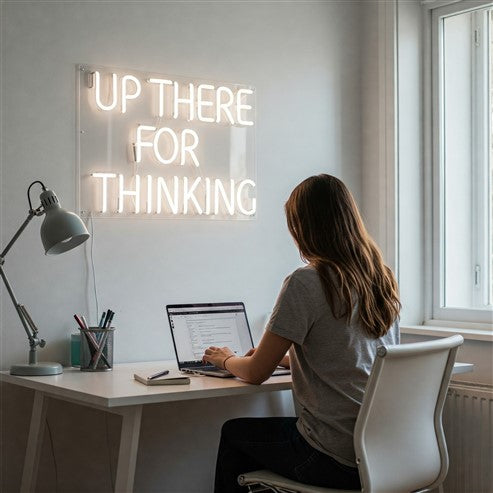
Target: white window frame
x,y
437,314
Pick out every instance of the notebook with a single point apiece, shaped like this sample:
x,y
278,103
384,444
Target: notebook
x,y
195,327
173,378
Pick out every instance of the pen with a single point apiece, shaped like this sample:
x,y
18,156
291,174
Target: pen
x,y
102,320
79,321
110,319
84,321
91,341
108,312
158,374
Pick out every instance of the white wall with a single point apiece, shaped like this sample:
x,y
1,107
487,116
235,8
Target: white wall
x,y
411,206
303,59
378,119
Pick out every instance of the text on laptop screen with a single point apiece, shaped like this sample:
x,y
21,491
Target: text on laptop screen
x,y
195,328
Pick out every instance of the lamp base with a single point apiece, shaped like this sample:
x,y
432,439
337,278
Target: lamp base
x,y
43,368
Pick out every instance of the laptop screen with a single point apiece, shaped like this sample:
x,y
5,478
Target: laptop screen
x,y
196,327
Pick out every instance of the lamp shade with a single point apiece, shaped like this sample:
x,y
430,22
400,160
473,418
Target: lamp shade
x,y
61,230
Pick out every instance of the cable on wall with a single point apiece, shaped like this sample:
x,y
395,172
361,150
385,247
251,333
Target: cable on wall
x,y
93,269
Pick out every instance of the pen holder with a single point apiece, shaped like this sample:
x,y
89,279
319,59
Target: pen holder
x,y
96,349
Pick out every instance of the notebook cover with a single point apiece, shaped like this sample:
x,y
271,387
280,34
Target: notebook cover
x,y
166,380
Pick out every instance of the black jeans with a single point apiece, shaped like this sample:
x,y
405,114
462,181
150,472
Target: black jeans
x,y
248,444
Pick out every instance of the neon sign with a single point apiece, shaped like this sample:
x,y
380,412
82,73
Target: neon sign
x,y
160,146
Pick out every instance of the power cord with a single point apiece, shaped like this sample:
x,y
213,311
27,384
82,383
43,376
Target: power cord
x,y
93,269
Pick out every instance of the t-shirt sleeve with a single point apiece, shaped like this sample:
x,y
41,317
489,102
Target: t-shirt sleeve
x,y
293,314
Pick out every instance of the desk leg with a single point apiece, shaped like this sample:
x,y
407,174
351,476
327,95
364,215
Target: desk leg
x,y
34,442
129,442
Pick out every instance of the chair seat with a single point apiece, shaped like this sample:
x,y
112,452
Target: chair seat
x,y
268,478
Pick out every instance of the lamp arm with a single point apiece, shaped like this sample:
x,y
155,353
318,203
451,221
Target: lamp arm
x,y
26,320
32,213
19,308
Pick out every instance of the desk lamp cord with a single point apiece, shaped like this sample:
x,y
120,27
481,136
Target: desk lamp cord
x,y
93,268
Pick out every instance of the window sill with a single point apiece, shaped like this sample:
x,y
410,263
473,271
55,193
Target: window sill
x,y
428,330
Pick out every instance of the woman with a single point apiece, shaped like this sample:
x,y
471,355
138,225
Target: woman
x,y
331,315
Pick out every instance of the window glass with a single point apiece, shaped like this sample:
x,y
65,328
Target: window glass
x,y
465,159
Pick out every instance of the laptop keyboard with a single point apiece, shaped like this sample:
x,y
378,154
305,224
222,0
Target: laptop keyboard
x,y
278,371
206,369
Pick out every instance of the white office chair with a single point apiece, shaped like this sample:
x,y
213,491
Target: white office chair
x,y
398,437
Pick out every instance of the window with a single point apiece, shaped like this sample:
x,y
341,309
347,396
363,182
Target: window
x,y
462,73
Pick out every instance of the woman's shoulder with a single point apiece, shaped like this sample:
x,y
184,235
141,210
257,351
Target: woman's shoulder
x,y
307,275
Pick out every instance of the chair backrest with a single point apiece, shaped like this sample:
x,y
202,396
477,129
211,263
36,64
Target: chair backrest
x,y
398,438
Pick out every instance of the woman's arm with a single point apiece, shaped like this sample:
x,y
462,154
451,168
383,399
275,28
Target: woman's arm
x,y
284,362
255,368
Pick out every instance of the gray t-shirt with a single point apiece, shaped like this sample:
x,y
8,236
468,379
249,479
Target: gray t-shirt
x,y
330,362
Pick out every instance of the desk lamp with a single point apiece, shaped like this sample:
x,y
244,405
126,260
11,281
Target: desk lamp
x,y
60,231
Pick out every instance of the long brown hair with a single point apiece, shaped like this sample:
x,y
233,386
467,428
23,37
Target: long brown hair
x,y
325,222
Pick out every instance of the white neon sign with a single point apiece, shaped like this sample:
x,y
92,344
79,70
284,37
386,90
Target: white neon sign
x,y
161,146
178,195
125,90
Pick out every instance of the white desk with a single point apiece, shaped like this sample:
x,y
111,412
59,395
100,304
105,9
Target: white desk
x,y
117,392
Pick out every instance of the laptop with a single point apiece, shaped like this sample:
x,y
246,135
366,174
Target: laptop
x,y
195,327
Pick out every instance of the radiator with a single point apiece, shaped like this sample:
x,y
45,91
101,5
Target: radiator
x,y
467,420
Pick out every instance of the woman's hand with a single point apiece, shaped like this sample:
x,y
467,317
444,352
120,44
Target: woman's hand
x,y
259,363
217,355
